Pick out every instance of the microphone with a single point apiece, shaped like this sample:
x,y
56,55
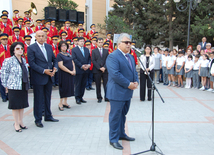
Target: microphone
x,y
135,49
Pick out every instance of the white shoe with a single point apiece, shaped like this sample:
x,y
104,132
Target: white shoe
x,y
210,89
186,86
213,91
202,88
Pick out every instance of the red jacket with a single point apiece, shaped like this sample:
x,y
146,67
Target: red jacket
x,y
69,32
110,44
134,55
55,30
28,31
4,54
7,29
55,49
13,39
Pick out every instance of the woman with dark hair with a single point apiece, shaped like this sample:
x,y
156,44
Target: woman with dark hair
x,y
148,61
66,75
14,77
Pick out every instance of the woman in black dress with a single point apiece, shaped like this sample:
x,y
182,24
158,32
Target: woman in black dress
x,y
66,75
14,77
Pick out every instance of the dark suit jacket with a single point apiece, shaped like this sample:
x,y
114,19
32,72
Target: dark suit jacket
x,y
99,61
203,47
120,75
38,63
80,60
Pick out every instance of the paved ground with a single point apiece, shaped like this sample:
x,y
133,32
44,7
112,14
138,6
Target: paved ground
x,y
184,125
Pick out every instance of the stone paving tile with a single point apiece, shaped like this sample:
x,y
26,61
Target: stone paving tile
x,y
184,126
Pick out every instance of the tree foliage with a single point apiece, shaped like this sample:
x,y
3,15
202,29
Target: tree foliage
x,y
63,4
159,22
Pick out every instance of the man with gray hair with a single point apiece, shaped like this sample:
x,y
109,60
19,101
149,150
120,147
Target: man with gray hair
x,y
122,80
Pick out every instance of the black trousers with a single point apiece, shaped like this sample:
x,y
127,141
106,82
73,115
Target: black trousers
x,y
144,79
79,84
97,78
42,101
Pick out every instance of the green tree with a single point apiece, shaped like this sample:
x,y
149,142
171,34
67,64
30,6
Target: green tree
x,y
63,4
203,23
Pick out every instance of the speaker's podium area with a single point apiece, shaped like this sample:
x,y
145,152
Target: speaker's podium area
x,y
88,11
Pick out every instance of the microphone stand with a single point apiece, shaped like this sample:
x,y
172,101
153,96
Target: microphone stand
x,y
152,148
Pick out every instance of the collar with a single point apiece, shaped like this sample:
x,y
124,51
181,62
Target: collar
x,y
80,47
40,44
122,52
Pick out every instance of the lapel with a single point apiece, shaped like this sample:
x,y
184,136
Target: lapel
x,y
40,52
125,60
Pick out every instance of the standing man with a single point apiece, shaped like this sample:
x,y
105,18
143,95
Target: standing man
x,y
82,60
99,56
122,80
203,43
4,26
43,67
16,37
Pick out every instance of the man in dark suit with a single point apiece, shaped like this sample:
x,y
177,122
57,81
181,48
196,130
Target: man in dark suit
x,y
82,60
203,43
43,67
122,80
99,56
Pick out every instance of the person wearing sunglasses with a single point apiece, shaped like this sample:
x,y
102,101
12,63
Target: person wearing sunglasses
x,y
14,77
122,80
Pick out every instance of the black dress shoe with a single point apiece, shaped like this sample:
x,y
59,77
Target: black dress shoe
x,y
127,138
107,100
87,88
40,125
91,88
4,100
83,101
99,100
116,145
149,99
78,102
52,120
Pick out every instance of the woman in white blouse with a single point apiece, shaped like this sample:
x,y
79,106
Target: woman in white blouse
x,y
149,63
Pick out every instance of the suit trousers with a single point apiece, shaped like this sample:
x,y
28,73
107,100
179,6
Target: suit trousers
x,y
98,77
143,80
80,84
89,80
42,98
117,119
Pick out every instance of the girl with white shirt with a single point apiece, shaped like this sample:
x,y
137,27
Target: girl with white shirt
x,y
188,71
164,69
180,61
170,64
203,70
149,63
210,76
195,76
158,65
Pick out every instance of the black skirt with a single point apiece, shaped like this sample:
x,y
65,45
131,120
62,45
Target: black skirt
x,y
18,99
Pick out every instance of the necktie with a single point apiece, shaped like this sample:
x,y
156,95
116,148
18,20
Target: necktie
x,y
17,37
4,25
100,52
82,51
29,29
55,46
44,52
129,60
5,47
39,27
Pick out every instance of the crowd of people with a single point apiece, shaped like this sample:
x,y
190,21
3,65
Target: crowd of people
x,y
72,60
196,66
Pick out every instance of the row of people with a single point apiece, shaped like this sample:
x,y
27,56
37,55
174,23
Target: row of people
x,y
196,67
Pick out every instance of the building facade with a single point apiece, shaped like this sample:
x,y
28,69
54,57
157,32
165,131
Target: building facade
x,y
94,10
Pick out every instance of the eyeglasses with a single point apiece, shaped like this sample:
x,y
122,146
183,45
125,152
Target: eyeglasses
x,y
19,48
127,42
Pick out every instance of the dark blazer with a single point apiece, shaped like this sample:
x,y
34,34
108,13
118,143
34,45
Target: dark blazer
x,y
120,75
202,47
38,63
99,61
80,60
